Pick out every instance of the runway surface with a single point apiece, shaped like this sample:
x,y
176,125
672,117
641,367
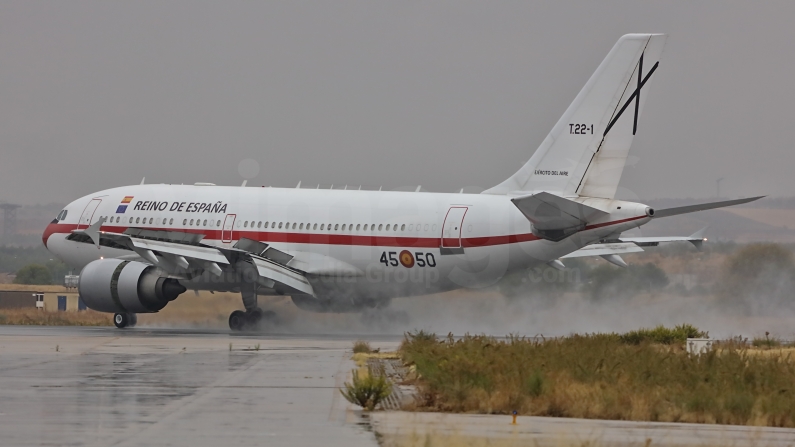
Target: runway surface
x,y
110,387
182,387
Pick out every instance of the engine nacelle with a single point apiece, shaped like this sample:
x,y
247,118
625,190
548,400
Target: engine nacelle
x,y
114,285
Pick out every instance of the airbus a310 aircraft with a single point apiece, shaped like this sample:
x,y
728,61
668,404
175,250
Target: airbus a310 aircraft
x,y
141,246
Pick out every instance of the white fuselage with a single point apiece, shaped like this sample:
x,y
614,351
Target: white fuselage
x,y
349,242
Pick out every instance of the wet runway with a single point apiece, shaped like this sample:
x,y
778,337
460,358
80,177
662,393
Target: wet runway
x,y
108,387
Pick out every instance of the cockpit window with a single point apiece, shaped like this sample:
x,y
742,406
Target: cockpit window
x,y
61,215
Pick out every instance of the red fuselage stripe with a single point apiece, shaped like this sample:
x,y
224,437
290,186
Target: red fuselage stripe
x,y
337,239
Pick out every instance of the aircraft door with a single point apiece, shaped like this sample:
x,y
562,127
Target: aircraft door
x,y
87,218
228,228
451,231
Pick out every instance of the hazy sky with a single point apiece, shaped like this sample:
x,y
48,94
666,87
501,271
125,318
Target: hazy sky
x,y
443,94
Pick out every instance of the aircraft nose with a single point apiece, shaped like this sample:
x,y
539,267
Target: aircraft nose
x,y
51,228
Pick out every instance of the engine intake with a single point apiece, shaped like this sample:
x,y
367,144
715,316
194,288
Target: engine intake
x,y
114,285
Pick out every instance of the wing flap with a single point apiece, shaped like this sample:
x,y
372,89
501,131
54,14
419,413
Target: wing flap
x,y
283,275
617,248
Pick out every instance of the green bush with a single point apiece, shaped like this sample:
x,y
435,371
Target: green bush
x,y
33,274
662,335
361,346
766,342
368,391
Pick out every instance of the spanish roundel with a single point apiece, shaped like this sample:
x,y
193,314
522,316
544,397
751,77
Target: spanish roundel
x,y
406,259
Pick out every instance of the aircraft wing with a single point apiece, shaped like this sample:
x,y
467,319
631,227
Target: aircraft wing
x,y
696,239
555,218
183,255
612,250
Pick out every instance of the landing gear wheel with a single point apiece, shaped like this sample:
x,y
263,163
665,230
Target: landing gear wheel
x,y
254,316
121,320
237,320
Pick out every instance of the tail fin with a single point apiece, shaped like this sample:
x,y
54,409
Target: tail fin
x,y
585,152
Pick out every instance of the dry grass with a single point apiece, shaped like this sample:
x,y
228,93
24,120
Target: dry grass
x,y
35,317
601,377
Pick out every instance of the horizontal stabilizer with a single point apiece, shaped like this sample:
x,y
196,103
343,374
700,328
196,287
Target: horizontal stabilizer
x,y
555,218
701,207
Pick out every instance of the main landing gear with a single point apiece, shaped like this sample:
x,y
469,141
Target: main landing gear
x,y
243,321
123,320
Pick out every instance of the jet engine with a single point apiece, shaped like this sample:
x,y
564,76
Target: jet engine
x,y
114,285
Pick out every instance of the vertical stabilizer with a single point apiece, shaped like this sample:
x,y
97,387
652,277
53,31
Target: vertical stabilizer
x,y
585,152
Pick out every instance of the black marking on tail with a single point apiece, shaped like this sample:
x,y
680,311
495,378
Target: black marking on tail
x,y
634,97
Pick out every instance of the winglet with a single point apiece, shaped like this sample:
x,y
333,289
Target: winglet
x,y
697,238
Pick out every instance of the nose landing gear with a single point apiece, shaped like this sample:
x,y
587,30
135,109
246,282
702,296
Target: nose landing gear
x,y
123,320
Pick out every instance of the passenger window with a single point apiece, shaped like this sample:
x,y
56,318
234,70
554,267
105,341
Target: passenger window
x,y
245,224
266,224
380,226
403,227
259,224
137,220
322,226
280,225
218,224
394,227
191,221
358,226
150,221
171,221
205,222
426,227
336,227
314,227
343,227
301,227
387,227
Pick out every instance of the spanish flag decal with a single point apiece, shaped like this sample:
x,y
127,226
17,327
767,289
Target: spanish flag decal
x,y
127,199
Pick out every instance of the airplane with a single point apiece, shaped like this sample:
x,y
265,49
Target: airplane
x,y
331,250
